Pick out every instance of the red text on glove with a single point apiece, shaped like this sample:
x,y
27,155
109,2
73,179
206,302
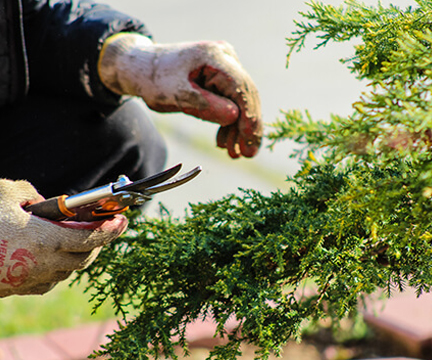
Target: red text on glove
x,y
3,251
18,271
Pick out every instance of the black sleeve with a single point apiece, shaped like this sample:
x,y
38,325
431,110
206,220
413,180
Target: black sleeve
x,y
63,41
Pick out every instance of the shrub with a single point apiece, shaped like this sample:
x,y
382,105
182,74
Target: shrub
x,y
357,218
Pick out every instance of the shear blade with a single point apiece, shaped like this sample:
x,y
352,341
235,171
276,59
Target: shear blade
x,y
177,181
143,184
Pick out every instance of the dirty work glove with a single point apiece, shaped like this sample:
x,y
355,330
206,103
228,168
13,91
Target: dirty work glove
x,y
35,254
203,79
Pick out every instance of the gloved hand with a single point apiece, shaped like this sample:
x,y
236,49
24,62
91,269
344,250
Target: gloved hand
x,y
35,253
203,79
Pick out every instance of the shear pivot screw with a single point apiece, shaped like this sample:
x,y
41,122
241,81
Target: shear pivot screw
x,y
125,197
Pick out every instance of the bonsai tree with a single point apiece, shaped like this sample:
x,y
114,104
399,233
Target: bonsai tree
x,y
356,219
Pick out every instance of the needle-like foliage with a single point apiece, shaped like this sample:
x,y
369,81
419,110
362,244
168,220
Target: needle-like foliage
x,y
357,218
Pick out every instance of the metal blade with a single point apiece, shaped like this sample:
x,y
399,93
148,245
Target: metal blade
x,y
180,180
143,184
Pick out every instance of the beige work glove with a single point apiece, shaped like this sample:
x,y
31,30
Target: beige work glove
x,y
35,254
203,79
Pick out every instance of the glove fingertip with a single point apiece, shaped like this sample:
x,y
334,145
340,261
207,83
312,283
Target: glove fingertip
x,y
232,143
221,137
249,148
234,153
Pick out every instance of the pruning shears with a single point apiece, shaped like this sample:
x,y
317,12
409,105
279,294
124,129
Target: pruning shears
x,y
110,199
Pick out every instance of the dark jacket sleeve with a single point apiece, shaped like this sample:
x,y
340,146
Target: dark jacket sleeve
x,y
63,40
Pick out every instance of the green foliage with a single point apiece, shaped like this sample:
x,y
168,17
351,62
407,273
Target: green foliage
x,y
380,29
357,219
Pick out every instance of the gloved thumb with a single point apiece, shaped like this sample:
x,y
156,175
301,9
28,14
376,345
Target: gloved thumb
x,y
35,253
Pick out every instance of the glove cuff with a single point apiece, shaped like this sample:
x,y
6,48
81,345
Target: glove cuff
x,y
123,57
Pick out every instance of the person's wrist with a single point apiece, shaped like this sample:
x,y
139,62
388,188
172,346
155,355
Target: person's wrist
x,y
123,57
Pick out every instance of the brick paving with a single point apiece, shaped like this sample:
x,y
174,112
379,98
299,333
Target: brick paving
x,y
405,318
62,344
79,342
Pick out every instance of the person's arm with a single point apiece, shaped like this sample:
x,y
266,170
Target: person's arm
x,y
35,254
204,79
67,39
63,40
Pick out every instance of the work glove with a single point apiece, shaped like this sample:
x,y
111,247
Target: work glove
x,y
35,254
203,79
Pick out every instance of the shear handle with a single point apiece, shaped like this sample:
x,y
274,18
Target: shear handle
x,y
51,209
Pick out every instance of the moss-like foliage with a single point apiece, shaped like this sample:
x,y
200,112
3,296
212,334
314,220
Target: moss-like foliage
x,y
357,218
